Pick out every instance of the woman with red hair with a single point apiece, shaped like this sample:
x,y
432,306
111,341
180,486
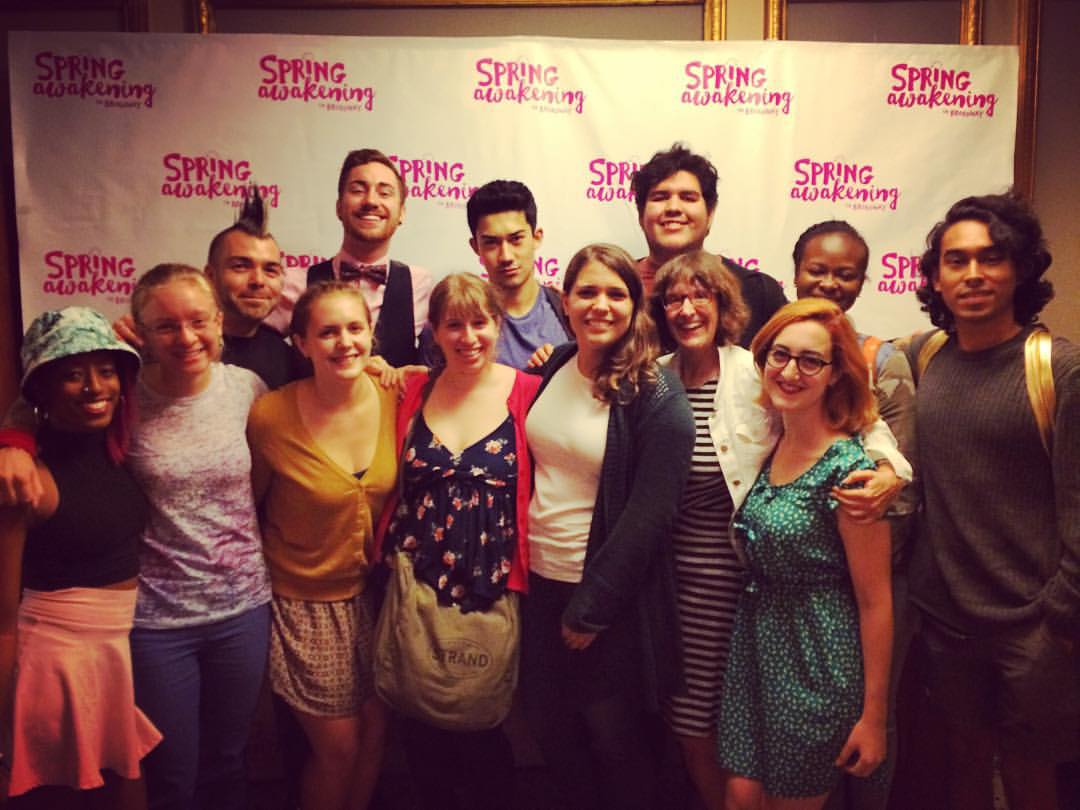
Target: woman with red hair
x,y
805,693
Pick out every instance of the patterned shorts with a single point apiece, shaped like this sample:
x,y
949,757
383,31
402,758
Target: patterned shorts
x,y
320,654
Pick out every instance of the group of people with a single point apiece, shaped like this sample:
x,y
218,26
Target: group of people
x,y
688,482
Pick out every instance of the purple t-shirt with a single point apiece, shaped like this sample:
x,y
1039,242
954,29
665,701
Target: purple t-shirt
x,y
520,337
200,556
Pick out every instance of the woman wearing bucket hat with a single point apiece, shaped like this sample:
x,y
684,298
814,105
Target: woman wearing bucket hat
x,y
70,721
202,620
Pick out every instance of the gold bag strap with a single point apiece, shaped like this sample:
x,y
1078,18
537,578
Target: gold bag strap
x,y
1039,376
869,350
930,347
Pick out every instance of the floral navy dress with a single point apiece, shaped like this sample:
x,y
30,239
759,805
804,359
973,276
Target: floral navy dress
x,y
794,684
457,514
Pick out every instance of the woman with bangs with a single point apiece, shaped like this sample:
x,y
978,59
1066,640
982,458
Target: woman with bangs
x,y
461,514
698,307
805,693
611,435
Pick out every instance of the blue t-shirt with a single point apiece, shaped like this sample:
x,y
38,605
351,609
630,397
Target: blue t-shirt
x,y
520,337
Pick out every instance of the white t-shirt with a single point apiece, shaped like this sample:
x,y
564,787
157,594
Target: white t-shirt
x,y
567,430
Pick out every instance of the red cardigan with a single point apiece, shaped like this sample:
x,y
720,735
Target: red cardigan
x,y
521,397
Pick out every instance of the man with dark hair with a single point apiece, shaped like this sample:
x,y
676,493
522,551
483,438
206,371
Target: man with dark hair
x,y
675,193
502,224
371,207
244,266
996,571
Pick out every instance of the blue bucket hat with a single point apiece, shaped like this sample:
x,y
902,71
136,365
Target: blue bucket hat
x,y
59,333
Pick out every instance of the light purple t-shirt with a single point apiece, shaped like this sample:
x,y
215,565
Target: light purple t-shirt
x,y
200,556
520,337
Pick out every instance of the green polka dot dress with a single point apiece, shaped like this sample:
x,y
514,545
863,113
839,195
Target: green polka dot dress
x,y
794,684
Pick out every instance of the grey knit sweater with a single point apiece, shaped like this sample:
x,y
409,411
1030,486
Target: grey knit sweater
x,y
1000,541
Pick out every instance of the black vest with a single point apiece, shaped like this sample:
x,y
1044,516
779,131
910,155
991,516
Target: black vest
x,y
395,330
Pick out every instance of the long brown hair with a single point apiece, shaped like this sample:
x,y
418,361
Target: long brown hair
x,y
850,405
630,362
463,294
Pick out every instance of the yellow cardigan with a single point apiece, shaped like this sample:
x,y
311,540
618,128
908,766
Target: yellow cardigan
x,y
317,519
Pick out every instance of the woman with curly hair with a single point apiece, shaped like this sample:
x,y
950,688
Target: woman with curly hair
x,y
611,434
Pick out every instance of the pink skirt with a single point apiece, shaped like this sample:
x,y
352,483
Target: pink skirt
x,y
75,712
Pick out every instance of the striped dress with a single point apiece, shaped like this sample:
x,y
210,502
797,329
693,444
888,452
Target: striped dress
x,y
709,579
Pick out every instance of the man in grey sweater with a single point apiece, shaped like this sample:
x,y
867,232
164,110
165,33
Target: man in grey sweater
x,y
996,570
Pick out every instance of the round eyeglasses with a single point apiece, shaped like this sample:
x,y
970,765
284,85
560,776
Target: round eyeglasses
x,y
808,364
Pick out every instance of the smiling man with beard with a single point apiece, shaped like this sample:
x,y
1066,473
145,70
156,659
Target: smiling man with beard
x,y
244,266
371,207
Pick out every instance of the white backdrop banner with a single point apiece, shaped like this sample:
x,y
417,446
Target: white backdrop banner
x,y
133,149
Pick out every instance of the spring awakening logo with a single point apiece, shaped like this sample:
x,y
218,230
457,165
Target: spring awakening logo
x,y
938,88
740,87
99,78
547,270
519,82
301,261
610,180
850,184
211,177
95,274
750,263
441,180
312,81
900,274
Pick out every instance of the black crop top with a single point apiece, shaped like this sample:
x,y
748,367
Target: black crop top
x,y
92,539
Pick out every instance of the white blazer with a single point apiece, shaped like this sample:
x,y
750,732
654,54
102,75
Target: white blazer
x,y
745,432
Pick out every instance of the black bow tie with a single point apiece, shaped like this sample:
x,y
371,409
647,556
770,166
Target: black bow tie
x,y
375,273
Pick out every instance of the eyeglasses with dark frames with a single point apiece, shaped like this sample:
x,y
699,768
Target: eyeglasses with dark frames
x,y
698,299
808,364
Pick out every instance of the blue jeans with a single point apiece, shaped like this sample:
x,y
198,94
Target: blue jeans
x,y
199,686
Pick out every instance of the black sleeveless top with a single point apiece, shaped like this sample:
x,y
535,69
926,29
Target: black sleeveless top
x,y
92,538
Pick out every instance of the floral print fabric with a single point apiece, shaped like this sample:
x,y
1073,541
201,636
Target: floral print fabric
x,y
456,517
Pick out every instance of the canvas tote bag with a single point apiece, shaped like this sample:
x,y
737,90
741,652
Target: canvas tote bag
x,y
454,670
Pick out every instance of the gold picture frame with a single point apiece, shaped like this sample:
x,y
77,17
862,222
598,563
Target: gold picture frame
x,y
714,12
971,33
714,28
